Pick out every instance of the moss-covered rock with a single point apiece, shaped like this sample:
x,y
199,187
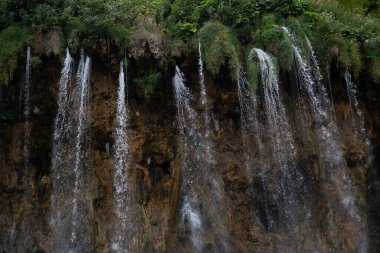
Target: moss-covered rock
x,y
219,48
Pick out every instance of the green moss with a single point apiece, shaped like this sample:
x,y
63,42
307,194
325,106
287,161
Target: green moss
x,y
372,50
273,39
11,41
219,48
147,82
253,74
36,61
346,52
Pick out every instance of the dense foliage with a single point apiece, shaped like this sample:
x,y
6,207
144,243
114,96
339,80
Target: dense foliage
x,y
345,31
218,48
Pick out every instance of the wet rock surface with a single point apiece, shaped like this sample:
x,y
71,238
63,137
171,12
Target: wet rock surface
x,y
155,171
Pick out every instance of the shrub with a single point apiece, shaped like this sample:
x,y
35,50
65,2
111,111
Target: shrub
x,y
11,41
252,73
372,50
234,13
288,8
273,39
220,50
345,51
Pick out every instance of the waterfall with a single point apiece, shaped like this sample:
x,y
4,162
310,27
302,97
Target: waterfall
x,y
20,230
122,230
188,141
254,153
329,150
352,94
357,114
71,206
249,124
80,234
27,111
59,174
204,102
282,153
274,164
213,186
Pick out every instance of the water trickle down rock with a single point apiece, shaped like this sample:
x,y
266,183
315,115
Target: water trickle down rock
x,y
71,208
189,141
357,114
344,203
124,229
251,135
21,230
274,163
81,202
60,198
213,187
284,175
27,112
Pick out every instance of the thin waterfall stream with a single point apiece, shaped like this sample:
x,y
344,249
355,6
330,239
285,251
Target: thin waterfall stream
x,y
271,166
27,116
282,152
188,141
124,227
357,114
213,186
81,212
59,163
71,214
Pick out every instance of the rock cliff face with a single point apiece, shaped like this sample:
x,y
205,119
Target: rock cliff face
x,y
155,170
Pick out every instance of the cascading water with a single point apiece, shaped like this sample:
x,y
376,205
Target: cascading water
x,y
333,168
254,153
274,164
71,205
213,187
81,213
123,229
27,111
60,163
250,125
282,153
357,114
19,231
204,102
188,141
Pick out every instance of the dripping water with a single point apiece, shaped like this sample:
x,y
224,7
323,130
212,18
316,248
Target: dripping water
x,y
330,151
213,187
282,153
122,230
71,212
59,166
357,114
27,111
254,153
80,234
188,141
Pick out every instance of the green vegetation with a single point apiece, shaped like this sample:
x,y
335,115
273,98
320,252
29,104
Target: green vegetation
x,y
273,39
220,48
147,82
11,40
345,32
253,72
340,31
